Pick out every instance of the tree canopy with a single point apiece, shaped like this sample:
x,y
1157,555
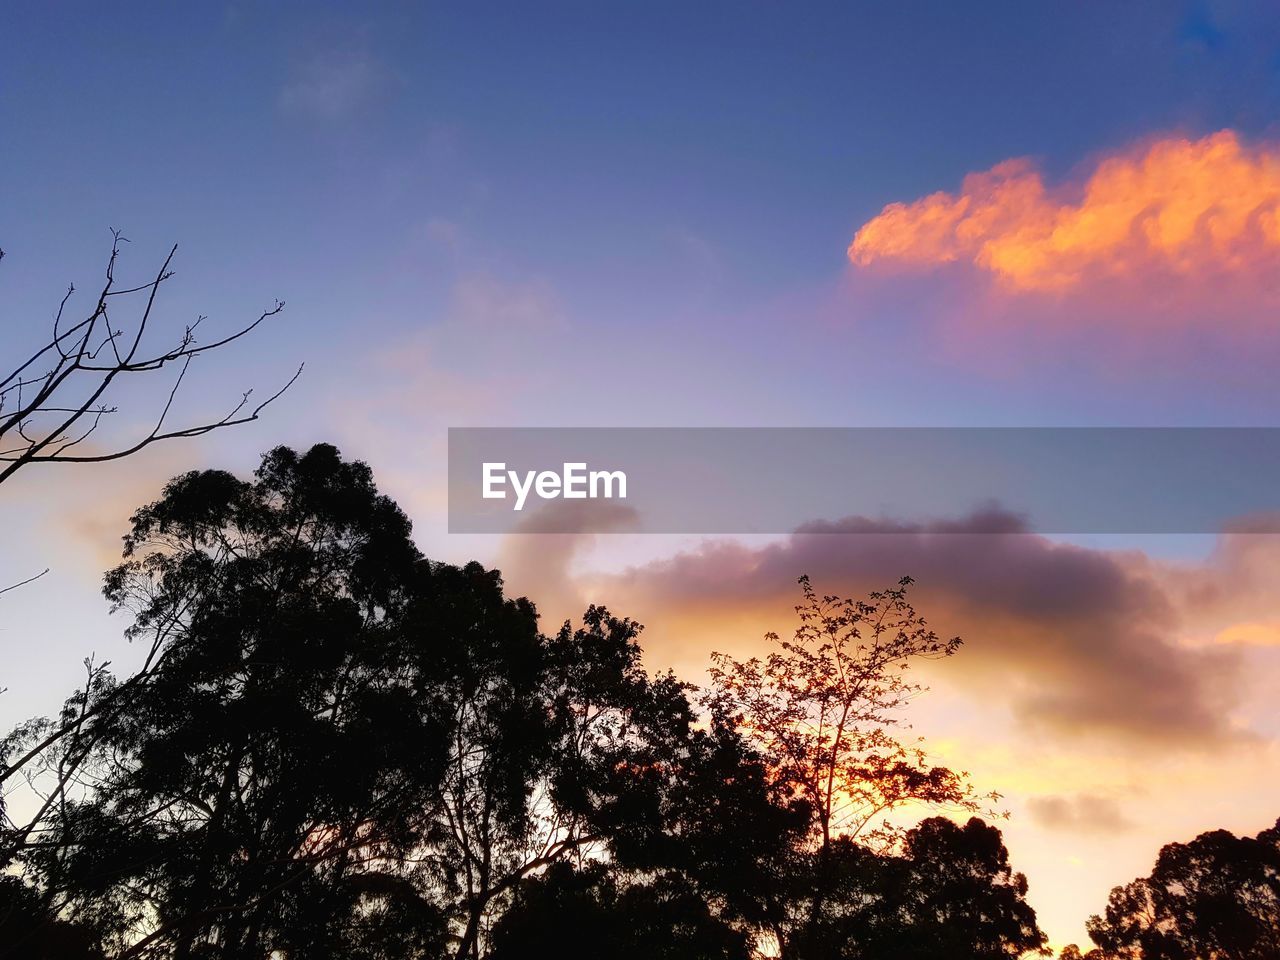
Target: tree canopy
x,y
1215,898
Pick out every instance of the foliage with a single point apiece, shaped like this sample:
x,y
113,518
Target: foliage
x,y
28,928
282,745
583,914
825,706
948,893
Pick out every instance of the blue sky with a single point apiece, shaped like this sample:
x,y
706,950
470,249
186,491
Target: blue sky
x,y
669,173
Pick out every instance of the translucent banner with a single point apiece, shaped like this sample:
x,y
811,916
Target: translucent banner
x,y
775,480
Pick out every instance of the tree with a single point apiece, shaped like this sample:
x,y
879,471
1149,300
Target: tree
x,y
338,748
1215,898
949,893
585,914
55,401
29,930
960,897
564,748
824,707
262,783
52,752
51,407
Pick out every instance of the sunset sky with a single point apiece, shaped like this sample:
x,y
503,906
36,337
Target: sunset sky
x,y
607,214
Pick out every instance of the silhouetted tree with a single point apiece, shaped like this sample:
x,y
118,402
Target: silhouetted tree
x,y
30,925
336,748
330,729
277,755
53,404
709,808
1215,898
959,896
564,747
586,914
28,929
948,894
824,707
1073,952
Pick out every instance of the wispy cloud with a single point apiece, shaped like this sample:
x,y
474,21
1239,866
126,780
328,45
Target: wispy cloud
x,y
335,82
484,302
1082,813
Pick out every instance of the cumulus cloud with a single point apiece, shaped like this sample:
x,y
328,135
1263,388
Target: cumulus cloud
x,y
1175,207
1080,642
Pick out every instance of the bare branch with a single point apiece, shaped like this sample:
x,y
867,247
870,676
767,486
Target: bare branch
x,y
47,414
23,583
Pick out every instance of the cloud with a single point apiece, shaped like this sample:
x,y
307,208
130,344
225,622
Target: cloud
x,y
538,564
443,232
81,526
1172,208
1231,600
484,302
334,83
1078,642
477,357
1082,813
1251,634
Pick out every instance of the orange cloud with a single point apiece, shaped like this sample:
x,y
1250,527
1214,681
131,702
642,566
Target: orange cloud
x,y
1175,207
1251,635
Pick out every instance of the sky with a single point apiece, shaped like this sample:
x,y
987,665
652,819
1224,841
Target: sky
x,y
607,214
